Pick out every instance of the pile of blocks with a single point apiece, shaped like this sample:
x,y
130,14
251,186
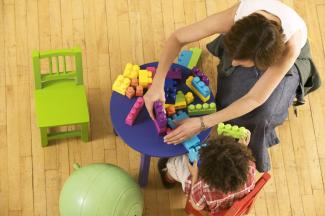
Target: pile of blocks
x,y
134,81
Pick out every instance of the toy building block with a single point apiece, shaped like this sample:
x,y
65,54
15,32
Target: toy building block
x,y
120,84
184,58
191,142
202,97
139,91
170,110
130,92
145,78
134,112
201,109
189,97
201,87
176,117
175,74
233,131
134,82
196,53
160,117
201,75
131,71
180,102
152,69
170,91
193,154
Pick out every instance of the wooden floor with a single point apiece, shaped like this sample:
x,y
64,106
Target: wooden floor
x,y
111,34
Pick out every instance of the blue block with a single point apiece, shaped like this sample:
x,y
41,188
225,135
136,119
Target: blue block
x,y
170,95
201,87
176,117
193,154
184,58
170,83
191,143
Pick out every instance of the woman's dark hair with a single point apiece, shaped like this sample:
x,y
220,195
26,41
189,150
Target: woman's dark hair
x,y
255,38
224,164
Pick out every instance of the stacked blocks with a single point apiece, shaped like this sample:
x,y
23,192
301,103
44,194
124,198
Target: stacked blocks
x,y
120,84
201,75
131,71
145,78
189,97
160,117
233,131
180,102
201,109
196,53
135,110
205,95
175,74
129,92
184,58
201,87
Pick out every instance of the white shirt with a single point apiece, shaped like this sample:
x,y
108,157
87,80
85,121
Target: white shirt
x,y
291,22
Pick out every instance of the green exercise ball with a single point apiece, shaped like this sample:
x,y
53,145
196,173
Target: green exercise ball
x,y
100,190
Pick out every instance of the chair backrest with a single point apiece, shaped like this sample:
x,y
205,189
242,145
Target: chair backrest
x,y
53,75
240,207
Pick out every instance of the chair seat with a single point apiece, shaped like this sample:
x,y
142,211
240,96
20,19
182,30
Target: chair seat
x,y
61,103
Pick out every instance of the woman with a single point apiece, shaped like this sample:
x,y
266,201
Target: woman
x,y
262,41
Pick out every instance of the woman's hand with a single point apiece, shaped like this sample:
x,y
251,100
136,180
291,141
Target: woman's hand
x,y
186,129
154,93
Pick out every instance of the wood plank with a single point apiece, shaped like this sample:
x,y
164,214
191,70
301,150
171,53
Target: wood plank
x,y
4,184
52,192
308,204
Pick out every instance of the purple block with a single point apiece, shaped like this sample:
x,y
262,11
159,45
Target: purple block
x,y
175,73
161,118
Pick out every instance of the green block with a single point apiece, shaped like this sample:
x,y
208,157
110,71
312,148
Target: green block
x,y
196,53
201,109
232,131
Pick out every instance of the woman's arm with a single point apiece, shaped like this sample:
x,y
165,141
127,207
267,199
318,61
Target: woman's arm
x,y
259,93
217,23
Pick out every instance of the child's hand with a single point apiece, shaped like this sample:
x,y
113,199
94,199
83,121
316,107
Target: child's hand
x,y
193,169
246,140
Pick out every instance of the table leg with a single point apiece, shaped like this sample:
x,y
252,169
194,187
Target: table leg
x,y
144,170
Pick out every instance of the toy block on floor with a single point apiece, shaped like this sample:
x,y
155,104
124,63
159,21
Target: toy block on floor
x,y
134,112
189,97
180,115
197,72
201,109
130,92
196,92
145,78
160,117
175,73
120,84
139,91
131,71
232,130
184,58
196,53
180,102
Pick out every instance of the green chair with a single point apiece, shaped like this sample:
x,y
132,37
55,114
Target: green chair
x,y
60,96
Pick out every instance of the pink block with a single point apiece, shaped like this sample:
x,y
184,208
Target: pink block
x,y
134,112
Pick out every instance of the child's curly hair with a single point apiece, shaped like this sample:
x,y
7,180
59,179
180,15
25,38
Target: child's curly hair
x,y
224,164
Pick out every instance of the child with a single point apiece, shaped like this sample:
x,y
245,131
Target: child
x,y
226,173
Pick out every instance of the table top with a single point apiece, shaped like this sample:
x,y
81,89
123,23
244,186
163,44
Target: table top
x,y
142,136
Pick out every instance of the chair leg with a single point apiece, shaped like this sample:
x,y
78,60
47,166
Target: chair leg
x,y
84,132
44,139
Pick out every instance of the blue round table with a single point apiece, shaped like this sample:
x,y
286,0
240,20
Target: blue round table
x,y
142,136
